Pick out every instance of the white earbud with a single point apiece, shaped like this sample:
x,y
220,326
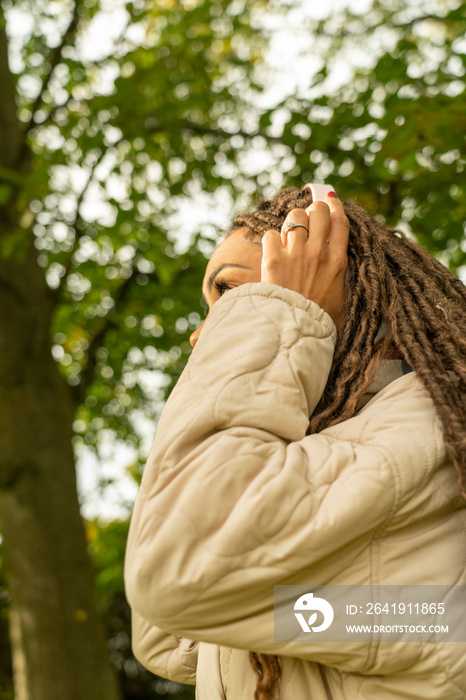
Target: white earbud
x,y
319,192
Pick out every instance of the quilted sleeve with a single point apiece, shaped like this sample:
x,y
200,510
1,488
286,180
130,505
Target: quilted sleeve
x,y
164,654
235,498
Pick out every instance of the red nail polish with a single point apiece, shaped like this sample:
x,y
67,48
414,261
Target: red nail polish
x,y
331,194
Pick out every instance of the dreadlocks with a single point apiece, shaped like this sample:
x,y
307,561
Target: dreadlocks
x,y
389,279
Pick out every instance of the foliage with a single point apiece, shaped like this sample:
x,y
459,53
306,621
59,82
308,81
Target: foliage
x,y
172,123
125,148
139,130
144,131
392,135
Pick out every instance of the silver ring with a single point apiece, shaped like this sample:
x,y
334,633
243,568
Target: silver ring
x,y
288,225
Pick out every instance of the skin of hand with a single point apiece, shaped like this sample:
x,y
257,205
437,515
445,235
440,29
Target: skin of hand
x,y
313,265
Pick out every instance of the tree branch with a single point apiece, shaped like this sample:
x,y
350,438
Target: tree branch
x,y
55,59
55,109
216,131
418,20
10,130
77,224
86,64
87,375
348,31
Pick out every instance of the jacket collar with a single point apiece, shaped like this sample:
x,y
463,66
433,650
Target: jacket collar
x,y
389,370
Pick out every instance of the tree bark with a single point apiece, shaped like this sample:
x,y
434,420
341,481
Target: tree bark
x,y
10,132
58,644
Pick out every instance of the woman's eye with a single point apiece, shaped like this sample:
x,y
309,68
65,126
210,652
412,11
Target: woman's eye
x,y
221,287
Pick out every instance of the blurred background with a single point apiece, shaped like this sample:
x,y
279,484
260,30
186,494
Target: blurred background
x,y
130,134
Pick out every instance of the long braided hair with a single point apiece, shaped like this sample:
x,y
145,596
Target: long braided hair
x,y
390,279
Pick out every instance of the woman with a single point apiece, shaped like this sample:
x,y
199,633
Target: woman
x,y
316,310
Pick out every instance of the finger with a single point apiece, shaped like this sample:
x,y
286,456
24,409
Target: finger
x,y
296,237
272,250
339,225
319,225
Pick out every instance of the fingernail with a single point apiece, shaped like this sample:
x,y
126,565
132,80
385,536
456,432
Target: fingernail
x,y
332,194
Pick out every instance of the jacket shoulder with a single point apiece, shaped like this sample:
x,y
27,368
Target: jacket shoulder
x,y
402,423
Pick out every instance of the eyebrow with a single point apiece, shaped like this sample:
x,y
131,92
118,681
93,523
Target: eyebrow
x,y
218,269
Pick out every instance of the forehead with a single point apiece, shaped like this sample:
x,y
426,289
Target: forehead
x,y
234,249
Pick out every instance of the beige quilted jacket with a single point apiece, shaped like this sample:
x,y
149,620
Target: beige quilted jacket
x,y
236,498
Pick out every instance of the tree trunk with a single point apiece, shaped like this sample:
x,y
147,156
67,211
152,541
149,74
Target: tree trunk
x,y
59,648
58,645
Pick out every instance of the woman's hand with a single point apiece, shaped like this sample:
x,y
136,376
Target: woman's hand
x,y
312,264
